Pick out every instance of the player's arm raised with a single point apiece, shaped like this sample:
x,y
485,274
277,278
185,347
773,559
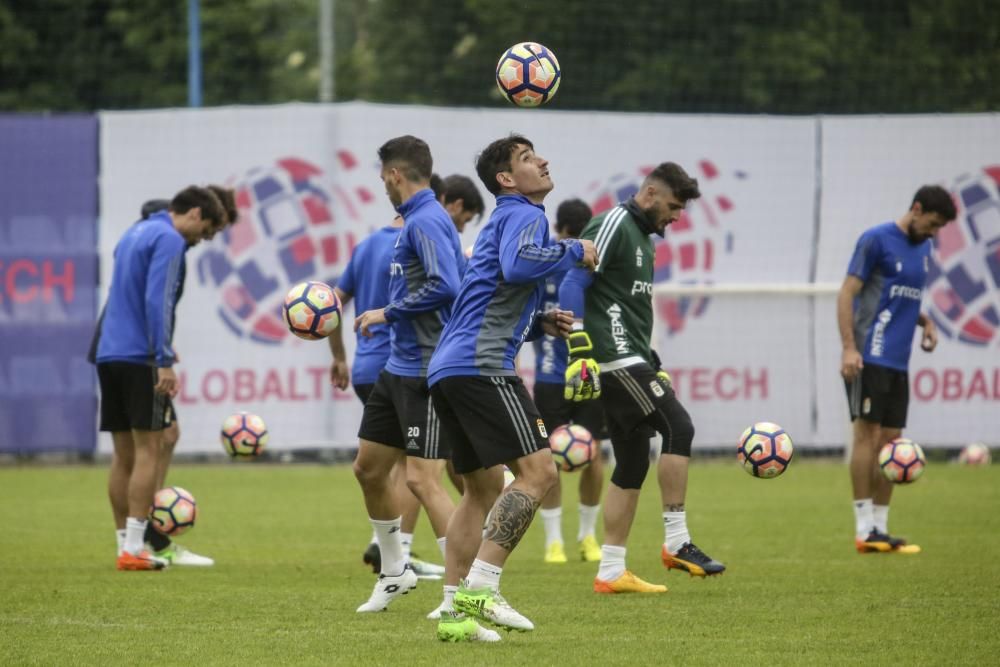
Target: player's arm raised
x,y
525,257
850,358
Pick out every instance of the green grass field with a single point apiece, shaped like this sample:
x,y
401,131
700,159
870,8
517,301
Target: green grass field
x,y
288,541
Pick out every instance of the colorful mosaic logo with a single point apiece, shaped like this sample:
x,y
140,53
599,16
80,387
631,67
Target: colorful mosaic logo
x,y
691,247
295,225
963,282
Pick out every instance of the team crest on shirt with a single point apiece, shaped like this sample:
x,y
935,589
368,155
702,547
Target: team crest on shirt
x,y
927,264
899,266
541,428
656,388
638,256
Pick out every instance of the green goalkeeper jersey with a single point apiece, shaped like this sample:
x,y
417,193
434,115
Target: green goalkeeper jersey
x,y
618,304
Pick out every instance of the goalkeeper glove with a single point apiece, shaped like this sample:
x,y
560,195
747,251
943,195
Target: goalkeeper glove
x,y
661,374
583,375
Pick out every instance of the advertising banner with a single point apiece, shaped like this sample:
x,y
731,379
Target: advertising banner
x,y
48,282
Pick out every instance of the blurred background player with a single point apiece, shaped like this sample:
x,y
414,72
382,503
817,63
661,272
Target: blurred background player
x,y
613,329
550,378
483,406
460,198
878,307
161,545
399,422
134,357
366,281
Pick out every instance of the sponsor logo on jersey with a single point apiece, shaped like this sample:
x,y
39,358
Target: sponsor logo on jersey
x,y
878,333
906,292
618,332
641,287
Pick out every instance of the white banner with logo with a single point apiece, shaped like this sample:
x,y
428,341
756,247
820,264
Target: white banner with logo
x,y
308,186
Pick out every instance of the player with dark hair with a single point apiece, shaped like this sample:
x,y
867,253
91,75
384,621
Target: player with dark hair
x,y
550,370
365,280
614,311
483,406
160,544
461,199
399,422
134,357
878,308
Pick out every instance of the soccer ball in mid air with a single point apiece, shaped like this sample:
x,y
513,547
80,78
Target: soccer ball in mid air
x,y
244,435
312,310
901,461
976,454
173,511
528,74
572,447
765,450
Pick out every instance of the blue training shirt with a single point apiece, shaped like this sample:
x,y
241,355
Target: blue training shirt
x,y
501,291
550,351
426,270
886,311
366,279
138,316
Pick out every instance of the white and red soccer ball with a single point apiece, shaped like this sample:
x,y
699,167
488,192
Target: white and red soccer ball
x,y
312,310
902,461
244,435
765,450
572,447
173,512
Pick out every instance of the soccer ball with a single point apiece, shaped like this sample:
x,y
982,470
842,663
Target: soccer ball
x,y
528,74
244,435
901,461
765,450
173,511
976,454
312,310
572,447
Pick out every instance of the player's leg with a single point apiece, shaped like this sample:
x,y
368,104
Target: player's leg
x,y
382,447
591,483
620,502
625,409
674,424
141,487
122,462
503,426
554,409
465,529
371,556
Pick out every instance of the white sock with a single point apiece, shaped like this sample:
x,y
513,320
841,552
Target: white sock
x,y
612,562
483,575
120,538
864,519
374,537
134,531
675,531
448,604
442,541
880,517
406,541
552,520
588,521
389,546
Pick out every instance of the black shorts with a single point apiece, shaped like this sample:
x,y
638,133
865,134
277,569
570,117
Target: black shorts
x,y
630,395
488,420
364,391
880,395
556,410
128,400
399,413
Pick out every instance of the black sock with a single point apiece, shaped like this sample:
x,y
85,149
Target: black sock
x,y
155,538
